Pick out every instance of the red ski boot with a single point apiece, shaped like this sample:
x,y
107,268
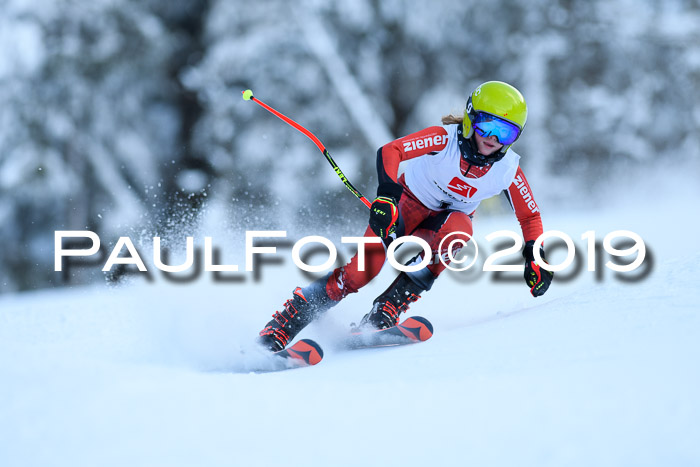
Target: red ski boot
x,y
394,301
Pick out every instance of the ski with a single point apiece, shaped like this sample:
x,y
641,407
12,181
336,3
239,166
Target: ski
x,y
304,352
410,331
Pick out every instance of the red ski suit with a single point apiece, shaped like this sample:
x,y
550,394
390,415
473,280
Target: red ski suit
x,y
448,203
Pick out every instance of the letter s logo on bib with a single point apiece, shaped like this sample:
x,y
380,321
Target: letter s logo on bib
x,y
461,187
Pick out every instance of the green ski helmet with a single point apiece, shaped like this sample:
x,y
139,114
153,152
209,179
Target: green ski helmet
x,y
494,108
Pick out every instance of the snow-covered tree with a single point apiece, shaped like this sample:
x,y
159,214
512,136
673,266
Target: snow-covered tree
x,y
88,124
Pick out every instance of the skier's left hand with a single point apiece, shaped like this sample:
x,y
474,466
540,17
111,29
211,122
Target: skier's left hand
x,y
536,277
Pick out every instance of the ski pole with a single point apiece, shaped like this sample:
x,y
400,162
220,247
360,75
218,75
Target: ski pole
x,y
248,95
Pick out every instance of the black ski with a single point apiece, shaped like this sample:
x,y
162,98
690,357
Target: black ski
x,y
303,352
410,331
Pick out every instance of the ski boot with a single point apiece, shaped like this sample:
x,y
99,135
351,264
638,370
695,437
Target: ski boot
x,y
394,301
306,304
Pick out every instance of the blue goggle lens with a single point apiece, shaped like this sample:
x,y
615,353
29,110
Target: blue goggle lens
x,y
489,125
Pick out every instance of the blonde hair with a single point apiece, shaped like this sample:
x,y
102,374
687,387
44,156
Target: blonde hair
x,y
452,119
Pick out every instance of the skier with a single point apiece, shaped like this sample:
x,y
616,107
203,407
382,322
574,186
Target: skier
x,y
452,169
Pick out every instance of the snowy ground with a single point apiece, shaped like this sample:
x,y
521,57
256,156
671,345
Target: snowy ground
x,y
593,373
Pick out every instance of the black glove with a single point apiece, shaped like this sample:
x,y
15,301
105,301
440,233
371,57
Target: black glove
x,y
384,212
536,277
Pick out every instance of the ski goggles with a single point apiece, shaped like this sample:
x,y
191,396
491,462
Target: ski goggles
x,y
489,125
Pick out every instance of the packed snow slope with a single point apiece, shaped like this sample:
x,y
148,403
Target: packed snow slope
x,y
594,373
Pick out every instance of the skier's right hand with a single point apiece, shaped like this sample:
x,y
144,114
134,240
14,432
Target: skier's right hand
x,y
384,211
536,277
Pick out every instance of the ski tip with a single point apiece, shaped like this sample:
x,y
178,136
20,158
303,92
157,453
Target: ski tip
x,y
417,328
307,351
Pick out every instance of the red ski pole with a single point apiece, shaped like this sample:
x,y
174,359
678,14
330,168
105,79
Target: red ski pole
x,y
248,96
